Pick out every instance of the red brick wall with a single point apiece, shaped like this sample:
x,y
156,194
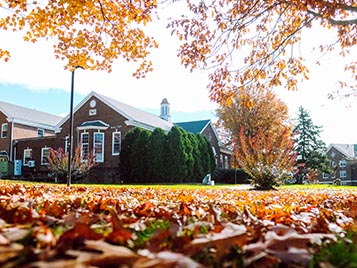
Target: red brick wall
x,y
5,142
107,171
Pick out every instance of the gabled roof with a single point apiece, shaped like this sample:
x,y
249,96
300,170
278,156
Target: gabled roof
x,y
95,124
196,127
29,117
349,150
135,116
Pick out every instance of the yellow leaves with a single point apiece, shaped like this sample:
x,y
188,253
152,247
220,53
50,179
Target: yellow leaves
x,y
5,55
87,33
281,65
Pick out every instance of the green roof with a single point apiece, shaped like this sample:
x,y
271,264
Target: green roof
x,y
194,126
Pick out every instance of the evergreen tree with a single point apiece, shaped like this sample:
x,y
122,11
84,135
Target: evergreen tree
x,y
126,158
207,156
197,170
156,156
176,156
309,147
139,155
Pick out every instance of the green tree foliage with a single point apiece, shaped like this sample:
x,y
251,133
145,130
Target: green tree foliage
x,y
58,164
208,157
126,155
140,155
308,144
156,164
197,169
174,157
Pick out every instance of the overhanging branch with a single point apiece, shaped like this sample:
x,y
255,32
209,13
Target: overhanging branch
x,y
333,21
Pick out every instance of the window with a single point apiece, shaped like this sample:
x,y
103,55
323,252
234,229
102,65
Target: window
x,y
45,152
84,145
40,132
325,176
98,146
116,143
66,144
27,156
4,130
343,174
342,163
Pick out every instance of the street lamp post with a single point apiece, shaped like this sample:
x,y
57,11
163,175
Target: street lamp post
x,y
70,140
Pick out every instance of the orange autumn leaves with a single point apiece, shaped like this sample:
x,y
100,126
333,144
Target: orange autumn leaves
x,y
240,42
90,34
259,42
56,226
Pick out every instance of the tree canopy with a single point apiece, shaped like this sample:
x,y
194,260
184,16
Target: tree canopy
x,y
310,149
260,135
240,42
257,42
90,34
252,109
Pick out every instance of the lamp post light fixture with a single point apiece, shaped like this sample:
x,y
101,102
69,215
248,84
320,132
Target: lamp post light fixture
x,y
70,140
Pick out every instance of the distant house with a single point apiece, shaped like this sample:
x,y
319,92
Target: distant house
x,y
99,125
206,128
343,163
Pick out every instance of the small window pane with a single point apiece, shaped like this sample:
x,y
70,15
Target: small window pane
x,y
116,143
27,156
45,153
4,130
40,132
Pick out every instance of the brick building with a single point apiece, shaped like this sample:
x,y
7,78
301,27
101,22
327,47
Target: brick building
x,y
99,125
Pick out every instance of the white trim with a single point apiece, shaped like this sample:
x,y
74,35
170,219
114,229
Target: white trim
x,y
135,123
31,124
102,147
42,154
131,120
12,143
113,134
81,142
24,162
2,130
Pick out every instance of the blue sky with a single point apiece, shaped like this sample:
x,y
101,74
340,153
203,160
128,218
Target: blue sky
x,y
56,101
34,78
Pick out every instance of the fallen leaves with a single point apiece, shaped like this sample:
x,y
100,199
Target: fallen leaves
x,y
57,226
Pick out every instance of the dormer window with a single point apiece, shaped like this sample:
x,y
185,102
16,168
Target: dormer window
x,y
40,132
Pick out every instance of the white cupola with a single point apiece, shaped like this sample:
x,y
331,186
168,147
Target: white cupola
x,y
165,110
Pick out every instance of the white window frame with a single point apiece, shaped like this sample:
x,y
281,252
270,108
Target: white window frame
x,y
44,160
343,174
325,176
99,157
27,151
40,132
116,140
4,131
66,144
342,163
84,146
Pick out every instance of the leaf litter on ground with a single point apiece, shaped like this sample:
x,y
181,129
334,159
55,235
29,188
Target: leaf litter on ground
x,y
91,226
